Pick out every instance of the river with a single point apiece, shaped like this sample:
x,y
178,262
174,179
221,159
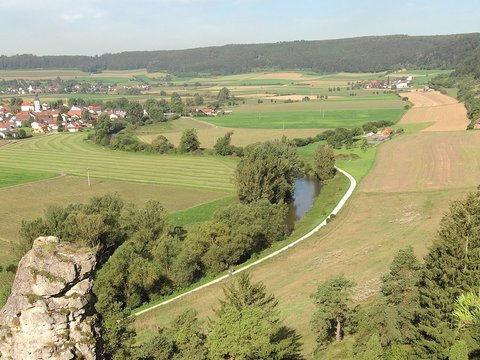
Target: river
x,y
306,191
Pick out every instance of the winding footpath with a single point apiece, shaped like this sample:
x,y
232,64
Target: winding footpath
x,y
341,203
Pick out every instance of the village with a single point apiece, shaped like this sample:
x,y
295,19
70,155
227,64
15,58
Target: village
x,y
43,119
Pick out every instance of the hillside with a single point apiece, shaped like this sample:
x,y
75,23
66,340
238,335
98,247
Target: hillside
x,y
363,54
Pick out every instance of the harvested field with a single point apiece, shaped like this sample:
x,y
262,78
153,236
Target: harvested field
x,y
241,137
280,75
427,161
446,113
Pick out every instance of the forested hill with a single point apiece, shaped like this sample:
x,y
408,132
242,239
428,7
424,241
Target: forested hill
x,y
363,54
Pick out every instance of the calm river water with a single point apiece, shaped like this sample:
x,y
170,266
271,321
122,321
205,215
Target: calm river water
x,y
306,190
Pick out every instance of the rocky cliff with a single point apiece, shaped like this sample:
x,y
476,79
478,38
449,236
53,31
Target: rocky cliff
x,y
50,313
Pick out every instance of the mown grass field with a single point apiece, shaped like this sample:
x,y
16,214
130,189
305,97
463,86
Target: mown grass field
x,y
71,154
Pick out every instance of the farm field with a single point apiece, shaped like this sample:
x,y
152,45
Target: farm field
x,y
317,119
448,114
364,236
70,154
208,133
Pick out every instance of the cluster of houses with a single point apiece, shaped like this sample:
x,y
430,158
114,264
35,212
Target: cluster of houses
x,y
41,118
404,83
194,111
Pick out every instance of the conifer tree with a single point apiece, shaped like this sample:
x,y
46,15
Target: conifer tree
x,y
248,326
333,308
452,267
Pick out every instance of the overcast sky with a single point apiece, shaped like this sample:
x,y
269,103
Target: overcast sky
x,y
89,27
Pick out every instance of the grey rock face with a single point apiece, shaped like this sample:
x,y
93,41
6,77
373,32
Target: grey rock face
x,y
50,313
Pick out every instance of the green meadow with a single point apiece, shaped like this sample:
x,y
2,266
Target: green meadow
x,y
305,119
10,177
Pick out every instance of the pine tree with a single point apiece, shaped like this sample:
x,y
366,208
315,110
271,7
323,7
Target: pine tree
x,y
401,294
332,299
248,326
374,349
459,351
452,267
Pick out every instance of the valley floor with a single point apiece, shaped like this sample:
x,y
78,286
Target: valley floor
x,y
399,203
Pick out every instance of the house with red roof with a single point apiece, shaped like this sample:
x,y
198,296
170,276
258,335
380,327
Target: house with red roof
x,y
27,106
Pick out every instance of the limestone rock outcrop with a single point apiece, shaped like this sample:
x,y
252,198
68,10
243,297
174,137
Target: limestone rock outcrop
x,y
50,312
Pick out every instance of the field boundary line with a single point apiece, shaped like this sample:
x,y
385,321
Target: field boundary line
x,y
341,203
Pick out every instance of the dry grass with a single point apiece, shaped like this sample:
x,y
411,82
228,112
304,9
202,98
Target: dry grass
x,y
427,161
208,133
71,189
446,113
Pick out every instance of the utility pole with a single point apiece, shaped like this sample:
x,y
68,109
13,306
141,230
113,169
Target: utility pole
x,y
88,176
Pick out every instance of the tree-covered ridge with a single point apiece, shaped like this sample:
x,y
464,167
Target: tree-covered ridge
x,y
363,54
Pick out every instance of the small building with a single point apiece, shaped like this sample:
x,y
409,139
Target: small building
x,y
387,131
27,106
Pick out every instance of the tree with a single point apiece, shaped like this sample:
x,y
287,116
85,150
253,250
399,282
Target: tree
x,y
401,297
198,100
184,339
134,112
189,141
237,231
374,349
451,269
21,134
268,170
161,145
223,146
467,309
248,326
324,161
364,145
223,95
176,104
459,351
332,299
243,293
156,113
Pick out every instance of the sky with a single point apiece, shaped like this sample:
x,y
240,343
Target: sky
x,y
91,27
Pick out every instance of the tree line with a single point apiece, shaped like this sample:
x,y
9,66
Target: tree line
x,y
363,54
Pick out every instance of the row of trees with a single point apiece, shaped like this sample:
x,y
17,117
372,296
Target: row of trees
x,y
416,315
